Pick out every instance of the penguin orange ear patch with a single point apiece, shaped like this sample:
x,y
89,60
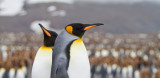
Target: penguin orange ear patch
x,y
46,32
69,29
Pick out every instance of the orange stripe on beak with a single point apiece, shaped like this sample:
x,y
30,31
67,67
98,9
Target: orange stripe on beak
x,y
46,32
88,27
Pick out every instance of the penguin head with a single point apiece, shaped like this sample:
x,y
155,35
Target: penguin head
x,y
78,29
49,37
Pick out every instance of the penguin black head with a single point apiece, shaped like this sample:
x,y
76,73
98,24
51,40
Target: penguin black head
x,y
49,37
78,29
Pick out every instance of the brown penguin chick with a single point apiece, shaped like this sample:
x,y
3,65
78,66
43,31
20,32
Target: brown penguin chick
x,y
106,60
100,60
110,59
145,73
30,54
140,59
26,61
146,63
20,64
8,58
1,64
15,53
93,60
135,66
135,63
33,54
114,60
136,59
118,61
157,63
27,54
13,61
131,62
0,57
157,74
124,62
97,60
128,60
16,61
8,65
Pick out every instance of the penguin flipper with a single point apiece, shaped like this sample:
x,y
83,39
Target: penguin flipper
x,y
61,73
59,69
53,72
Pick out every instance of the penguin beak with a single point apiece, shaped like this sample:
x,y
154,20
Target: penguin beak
x,y
45,31
88,26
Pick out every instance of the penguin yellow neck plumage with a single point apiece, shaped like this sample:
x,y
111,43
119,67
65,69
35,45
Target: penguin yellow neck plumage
x,y
3,69
44,50
78,41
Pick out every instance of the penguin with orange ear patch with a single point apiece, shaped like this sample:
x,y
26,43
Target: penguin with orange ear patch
x,y
42,63
70,59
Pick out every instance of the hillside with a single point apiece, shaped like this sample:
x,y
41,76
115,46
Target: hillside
x,y
118,18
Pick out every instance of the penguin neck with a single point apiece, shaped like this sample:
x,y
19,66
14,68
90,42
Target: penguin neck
x,y
63,40
46,47
20,69
3,69
12,69
69,36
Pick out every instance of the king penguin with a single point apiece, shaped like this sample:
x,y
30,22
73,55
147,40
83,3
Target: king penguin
x,y
43,60
70,59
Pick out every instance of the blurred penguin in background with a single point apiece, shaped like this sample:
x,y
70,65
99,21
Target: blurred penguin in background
x,y
3,70
20,70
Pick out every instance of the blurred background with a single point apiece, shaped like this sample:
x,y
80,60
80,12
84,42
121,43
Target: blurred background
x,y
127,46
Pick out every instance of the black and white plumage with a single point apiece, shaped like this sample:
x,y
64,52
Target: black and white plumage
x,y
70,59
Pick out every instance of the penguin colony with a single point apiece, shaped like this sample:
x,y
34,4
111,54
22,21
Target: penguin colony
x,y
111,56
15,64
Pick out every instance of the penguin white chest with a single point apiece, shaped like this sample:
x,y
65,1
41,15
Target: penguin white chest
x,y
79,66
42,63
11,73
20,73
2,71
